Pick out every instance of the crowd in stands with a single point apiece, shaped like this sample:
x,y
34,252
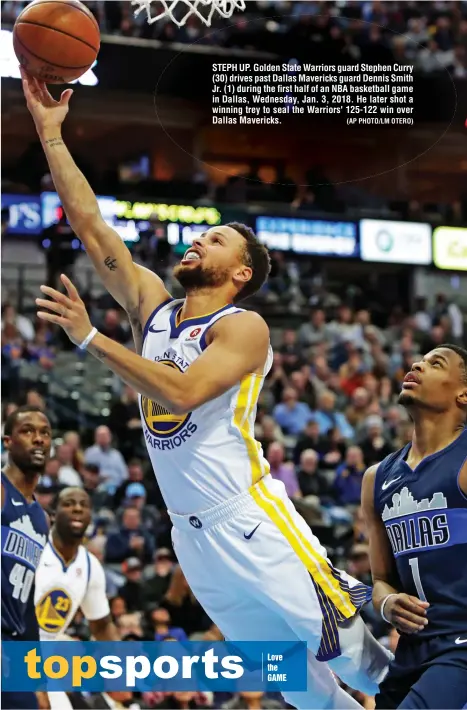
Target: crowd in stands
x,y
328,410
432,35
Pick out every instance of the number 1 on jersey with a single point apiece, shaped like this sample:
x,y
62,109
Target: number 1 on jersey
x,y
413,562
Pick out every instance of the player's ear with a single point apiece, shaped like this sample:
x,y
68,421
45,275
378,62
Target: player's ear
x,y
6,441
242,275
462,397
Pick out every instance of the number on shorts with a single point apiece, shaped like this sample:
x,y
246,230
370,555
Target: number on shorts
x,y
21,580
413,562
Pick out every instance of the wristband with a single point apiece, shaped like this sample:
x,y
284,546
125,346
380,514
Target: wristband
x,y
383,604
88,339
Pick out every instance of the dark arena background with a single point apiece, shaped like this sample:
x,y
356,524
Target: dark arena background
x,y
367,230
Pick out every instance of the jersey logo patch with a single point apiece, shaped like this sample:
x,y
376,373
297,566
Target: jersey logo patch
x,y
53,609
194,334
158,419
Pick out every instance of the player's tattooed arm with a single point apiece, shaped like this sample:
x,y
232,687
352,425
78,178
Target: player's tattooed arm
x,y
99,354
111,263
54,142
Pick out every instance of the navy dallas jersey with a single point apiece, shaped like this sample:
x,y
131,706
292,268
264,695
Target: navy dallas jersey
x,y
24,535
425,515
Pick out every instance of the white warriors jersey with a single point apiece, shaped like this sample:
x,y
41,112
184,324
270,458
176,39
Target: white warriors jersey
x,y
63,589
209,455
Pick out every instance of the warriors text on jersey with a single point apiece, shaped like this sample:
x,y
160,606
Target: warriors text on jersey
x,y
425,514
63,589
24,534
209,455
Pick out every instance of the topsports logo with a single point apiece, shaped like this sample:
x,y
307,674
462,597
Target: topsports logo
x,y
101,666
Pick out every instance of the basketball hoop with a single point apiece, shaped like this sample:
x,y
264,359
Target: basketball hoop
x,y
203,9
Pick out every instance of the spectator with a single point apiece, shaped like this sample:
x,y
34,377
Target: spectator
x,y
90,477
130,541
125,422
73,439
375,447
359,565
331,448
310,480
112,327
308,439
132,590
185,611
157,585
46,492
111,464
22,325
135,496
268,431
129,626
161,622
60,244
40,351
357,411
117,607
302,384
314,332
290,351
68,475
135,475
292,415
422,317
328,418
349,476
51,475
282,471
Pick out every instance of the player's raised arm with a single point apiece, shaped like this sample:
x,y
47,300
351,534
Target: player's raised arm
x,y
406,613
136,289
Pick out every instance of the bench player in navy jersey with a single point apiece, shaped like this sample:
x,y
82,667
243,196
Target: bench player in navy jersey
x,y
415,504
27,438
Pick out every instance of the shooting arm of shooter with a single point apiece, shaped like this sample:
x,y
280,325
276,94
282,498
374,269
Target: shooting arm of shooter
x,y
135,288
232,354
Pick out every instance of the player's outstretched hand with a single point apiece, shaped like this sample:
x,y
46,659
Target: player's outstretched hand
x,y
68,311
406,613
46,112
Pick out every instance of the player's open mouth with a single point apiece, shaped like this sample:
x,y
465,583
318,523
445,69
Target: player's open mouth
x,y
38,454
411,380
77,524
190,256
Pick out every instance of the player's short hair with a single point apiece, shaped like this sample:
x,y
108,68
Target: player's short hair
x,y
256,257
462,354
11,420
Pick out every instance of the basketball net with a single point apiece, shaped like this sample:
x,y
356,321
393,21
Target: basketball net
x,y
203,9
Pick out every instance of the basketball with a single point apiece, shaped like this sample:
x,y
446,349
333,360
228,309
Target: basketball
x,y
56,41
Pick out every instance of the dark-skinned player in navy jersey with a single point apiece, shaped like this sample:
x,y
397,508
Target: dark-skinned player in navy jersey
x,y
415,505
25,528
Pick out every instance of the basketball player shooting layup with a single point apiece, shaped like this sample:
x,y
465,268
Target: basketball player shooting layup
x,y
248,556
415,504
